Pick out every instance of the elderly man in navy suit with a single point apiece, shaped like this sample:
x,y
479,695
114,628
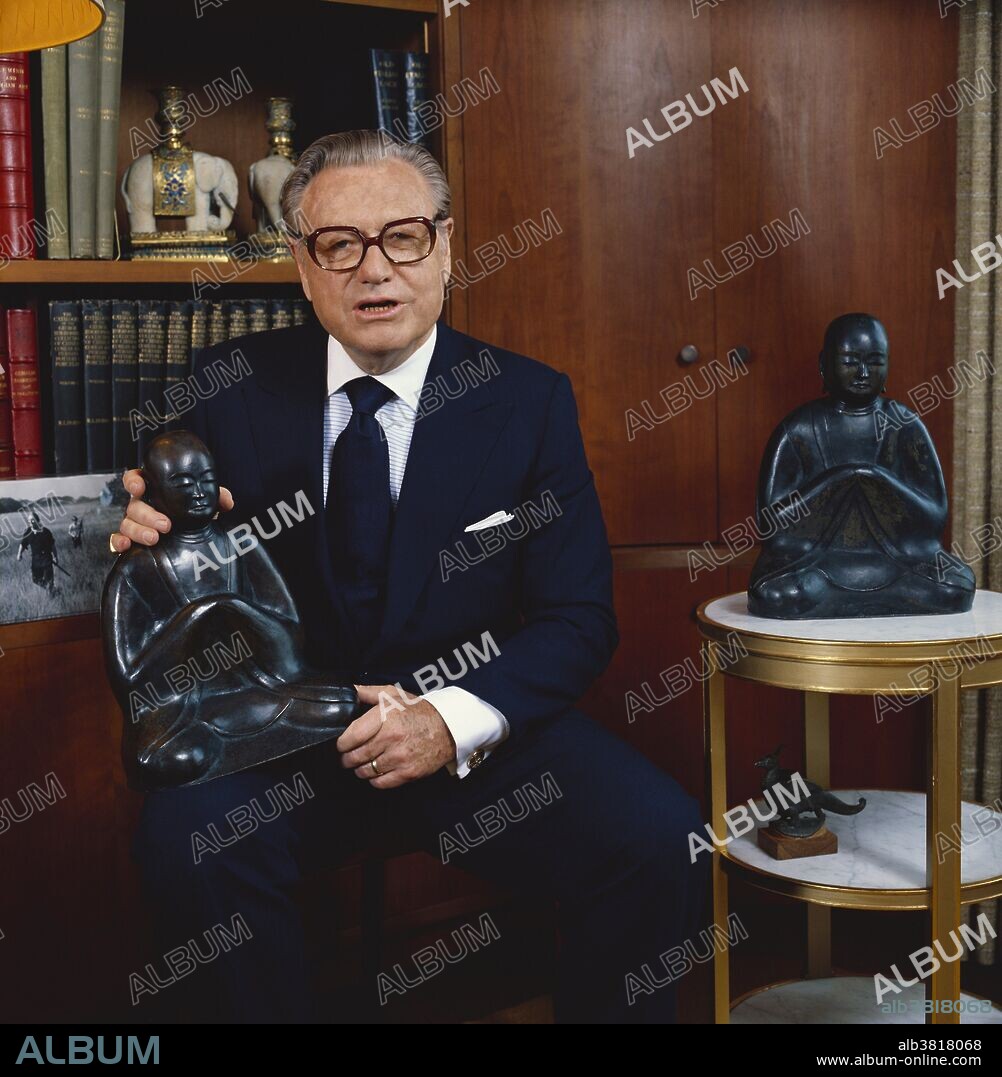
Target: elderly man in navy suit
x,y
451,561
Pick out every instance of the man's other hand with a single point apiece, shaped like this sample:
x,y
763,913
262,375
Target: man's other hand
x,y
405,735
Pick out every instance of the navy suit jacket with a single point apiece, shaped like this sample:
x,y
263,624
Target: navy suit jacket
x,y
509,440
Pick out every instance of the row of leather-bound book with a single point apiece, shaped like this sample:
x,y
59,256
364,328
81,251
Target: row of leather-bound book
x,y
121,371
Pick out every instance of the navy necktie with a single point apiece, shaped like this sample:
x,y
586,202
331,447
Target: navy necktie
x,y
359,512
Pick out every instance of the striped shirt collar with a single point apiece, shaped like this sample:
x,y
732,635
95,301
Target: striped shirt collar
x,y
405,380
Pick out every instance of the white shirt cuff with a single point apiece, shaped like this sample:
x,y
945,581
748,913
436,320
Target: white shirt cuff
x,y
475,726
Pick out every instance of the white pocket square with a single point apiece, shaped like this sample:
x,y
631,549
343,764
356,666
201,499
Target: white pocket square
x,y
495,518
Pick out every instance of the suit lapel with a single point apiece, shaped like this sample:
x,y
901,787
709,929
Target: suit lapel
x,y
448,450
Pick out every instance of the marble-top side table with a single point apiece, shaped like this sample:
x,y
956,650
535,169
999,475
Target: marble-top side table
x,y
936,655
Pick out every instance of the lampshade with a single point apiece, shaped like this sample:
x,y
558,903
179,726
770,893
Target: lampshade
x,y
36,24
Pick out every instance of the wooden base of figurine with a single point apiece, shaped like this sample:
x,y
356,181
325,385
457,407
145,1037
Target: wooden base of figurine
x,y
783,847
177,245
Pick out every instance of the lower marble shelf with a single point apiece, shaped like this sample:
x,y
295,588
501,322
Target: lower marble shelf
x,y
881,858
844,1000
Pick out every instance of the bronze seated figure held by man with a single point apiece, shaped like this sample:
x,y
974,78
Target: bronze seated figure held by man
x,y
851,501
206,664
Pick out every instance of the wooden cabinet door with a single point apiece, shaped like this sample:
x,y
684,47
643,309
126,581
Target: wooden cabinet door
x,y
606,299
651,694
821,78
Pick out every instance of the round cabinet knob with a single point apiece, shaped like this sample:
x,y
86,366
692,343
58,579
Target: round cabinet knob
x,y
740,355
688,354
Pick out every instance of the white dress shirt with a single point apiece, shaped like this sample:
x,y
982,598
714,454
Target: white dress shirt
x,y
475,725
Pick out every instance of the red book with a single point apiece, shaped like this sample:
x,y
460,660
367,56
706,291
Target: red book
x,y
17,237
6,437
22,350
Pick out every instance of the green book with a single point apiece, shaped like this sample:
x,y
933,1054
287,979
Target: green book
x,y
151,335
109,93
236,318
57,212
66,340
281,313
124,381
387,69
96,319
257,315
416,90
82,81
178,351
217,321
199,324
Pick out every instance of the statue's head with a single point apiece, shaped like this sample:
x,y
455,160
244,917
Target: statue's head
x,y
180,478
853,361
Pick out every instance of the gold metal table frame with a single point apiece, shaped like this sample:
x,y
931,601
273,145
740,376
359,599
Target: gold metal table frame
x,y
819,668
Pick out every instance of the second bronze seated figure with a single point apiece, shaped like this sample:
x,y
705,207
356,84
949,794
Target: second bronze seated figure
x,y
856,497
166,615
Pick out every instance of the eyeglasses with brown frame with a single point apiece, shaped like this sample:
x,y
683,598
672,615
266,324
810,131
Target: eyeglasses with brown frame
x,y
340,248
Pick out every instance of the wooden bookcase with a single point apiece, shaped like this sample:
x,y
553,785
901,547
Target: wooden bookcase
x,y
56,710
295,59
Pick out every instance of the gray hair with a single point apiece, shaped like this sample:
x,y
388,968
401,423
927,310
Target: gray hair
x,y
346,149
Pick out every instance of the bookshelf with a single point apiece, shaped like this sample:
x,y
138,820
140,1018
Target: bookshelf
x,y
53,685
315,52
312,72
104,271
322,70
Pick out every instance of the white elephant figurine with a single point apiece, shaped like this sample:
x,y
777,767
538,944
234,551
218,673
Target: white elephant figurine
x,y
265,179
216,188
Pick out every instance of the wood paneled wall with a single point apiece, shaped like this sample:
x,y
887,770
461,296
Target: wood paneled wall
x,y
608,301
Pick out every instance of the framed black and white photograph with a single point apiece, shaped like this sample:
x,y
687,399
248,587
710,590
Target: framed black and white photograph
x,y
54,544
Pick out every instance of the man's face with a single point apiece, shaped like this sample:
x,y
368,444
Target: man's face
x,y
367,197
854,364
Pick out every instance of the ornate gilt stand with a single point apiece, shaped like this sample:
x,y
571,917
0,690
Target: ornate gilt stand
x,y
889,656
